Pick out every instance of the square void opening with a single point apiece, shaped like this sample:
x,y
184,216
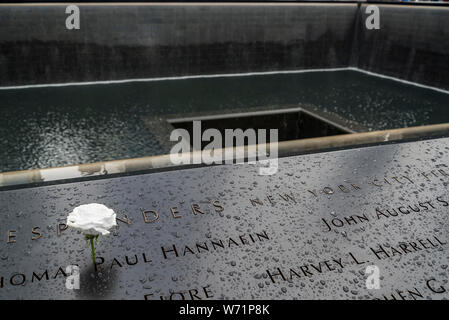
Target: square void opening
x,y
292,124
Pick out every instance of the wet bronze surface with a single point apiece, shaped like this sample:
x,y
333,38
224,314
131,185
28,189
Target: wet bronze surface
x,y
309,231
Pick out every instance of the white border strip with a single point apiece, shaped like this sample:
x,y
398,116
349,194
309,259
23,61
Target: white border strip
x,y
224,75
399,80
204,76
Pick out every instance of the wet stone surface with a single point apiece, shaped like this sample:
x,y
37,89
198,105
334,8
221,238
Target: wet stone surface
x,y
308,232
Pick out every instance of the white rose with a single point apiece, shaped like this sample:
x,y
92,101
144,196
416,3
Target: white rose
x,y
92,219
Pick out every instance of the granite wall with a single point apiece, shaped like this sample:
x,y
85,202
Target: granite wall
x,y
140,41
412,44
122,41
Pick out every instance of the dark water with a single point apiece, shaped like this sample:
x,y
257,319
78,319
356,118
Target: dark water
x,y
54,126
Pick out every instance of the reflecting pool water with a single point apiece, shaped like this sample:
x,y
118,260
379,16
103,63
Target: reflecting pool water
x,y
55,126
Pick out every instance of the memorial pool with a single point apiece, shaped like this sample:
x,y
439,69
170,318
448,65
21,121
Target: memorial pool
x,y
63,125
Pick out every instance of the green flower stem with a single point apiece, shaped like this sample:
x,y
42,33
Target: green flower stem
x,y
93,249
